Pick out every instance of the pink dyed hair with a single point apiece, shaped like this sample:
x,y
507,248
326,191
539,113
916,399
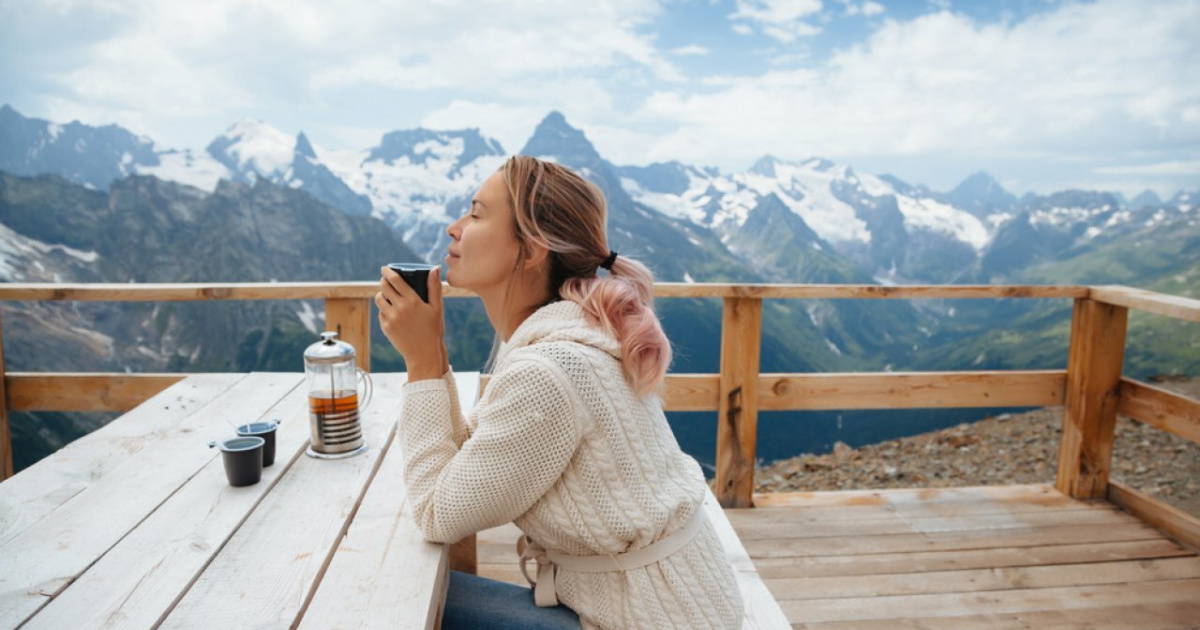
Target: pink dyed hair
x,y
557,209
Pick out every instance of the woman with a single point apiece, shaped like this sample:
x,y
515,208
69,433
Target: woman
x,y
569,440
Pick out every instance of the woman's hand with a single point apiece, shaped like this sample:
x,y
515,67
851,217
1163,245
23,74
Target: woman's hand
x,y
416,329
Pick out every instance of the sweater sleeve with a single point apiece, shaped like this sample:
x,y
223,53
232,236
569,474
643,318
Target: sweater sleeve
x,y
461,430
526,433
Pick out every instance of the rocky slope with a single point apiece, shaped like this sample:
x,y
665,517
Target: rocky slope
x,y
1005,450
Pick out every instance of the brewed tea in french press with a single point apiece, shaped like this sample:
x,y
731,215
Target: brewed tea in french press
x,y
333,398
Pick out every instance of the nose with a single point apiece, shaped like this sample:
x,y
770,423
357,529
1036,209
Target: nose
x,y
454,230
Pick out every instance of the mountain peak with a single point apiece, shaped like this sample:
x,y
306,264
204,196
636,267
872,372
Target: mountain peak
x,y
304,147
980,194
254,146
1145,198
556,138
765,166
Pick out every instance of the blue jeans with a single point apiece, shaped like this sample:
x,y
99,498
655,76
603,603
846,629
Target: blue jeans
x,y
477,603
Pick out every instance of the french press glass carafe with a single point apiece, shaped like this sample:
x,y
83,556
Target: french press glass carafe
x,y
333,398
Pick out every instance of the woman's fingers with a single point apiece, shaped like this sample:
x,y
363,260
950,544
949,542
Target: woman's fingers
x,y
433,284
389,284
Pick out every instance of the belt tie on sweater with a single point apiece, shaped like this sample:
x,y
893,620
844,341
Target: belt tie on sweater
x,y
544,594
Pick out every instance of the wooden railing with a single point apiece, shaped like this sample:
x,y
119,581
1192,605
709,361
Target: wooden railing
x,y
1091,389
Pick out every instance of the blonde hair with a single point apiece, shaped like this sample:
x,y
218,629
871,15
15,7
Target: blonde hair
x,y
557,209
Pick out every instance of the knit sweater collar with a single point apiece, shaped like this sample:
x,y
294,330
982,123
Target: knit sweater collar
x,y
560,321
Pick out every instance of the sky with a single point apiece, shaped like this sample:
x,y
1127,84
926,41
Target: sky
x,y
1044,95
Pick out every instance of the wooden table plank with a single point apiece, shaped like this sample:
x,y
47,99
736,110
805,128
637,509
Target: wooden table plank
x,y
953,541
384,571
138,581
275,558
36,564
885,563
1147,594
990,579
44,486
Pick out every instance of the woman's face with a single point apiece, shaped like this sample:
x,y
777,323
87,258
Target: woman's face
x,y
484,247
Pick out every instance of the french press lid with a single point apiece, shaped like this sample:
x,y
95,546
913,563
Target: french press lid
x,y
329,350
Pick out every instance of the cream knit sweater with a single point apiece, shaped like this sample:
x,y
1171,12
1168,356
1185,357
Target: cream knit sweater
x,y
562,446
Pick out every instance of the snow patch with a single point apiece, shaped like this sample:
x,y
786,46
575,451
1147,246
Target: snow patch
x,y
261,148
196,170
18,252
309,317
944,218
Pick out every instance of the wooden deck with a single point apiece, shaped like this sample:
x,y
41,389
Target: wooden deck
x,y
956,558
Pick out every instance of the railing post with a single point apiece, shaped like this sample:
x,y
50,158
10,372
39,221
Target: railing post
x,y
350,317
6,450
1090,408
737,415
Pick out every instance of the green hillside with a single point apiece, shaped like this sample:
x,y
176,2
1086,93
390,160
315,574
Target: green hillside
x,y
1034,334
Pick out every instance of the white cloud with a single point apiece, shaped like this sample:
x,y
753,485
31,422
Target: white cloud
x,y
871,9
1082,79
690,50
1161,169
167,60
784,20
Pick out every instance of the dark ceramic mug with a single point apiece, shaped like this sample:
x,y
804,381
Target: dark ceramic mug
x,y
416,275
243,458
265,430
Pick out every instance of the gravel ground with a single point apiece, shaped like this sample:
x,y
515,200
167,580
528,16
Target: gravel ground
x,y
1005,450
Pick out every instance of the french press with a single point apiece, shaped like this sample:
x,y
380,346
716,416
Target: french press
x,y
333,398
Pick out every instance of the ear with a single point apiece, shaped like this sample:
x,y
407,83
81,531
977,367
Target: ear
x,y
535,256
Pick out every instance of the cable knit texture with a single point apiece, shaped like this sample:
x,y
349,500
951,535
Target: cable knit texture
x,y
562,446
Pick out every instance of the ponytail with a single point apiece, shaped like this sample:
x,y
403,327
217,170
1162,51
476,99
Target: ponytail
x,y
623,305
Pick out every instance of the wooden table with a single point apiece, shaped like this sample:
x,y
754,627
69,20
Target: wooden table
x,y
135,525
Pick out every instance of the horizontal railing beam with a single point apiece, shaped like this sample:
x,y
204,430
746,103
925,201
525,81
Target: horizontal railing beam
x,y
203,291
866,291
90,391
1159,408
912,390
1173,306
877,390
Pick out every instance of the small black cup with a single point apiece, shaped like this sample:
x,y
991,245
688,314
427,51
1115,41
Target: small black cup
x,y
416,275
243,458
266,431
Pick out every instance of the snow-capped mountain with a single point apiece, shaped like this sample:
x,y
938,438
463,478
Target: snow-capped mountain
x,y
92,156
873,220
418,181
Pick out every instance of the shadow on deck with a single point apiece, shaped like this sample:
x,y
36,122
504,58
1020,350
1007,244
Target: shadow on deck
x,y
952,558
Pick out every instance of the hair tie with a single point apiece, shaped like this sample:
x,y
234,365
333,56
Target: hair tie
x,y
608,262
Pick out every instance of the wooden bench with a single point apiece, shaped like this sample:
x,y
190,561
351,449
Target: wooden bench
x,y
762,611
497,560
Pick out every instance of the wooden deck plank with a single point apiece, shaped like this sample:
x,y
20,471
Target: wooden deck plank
x,y
141,577
950,541
990,579
1021,493
886,563
44,486
38,563
278,554
841,514
382,551
897,524
1066,598
1170,616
